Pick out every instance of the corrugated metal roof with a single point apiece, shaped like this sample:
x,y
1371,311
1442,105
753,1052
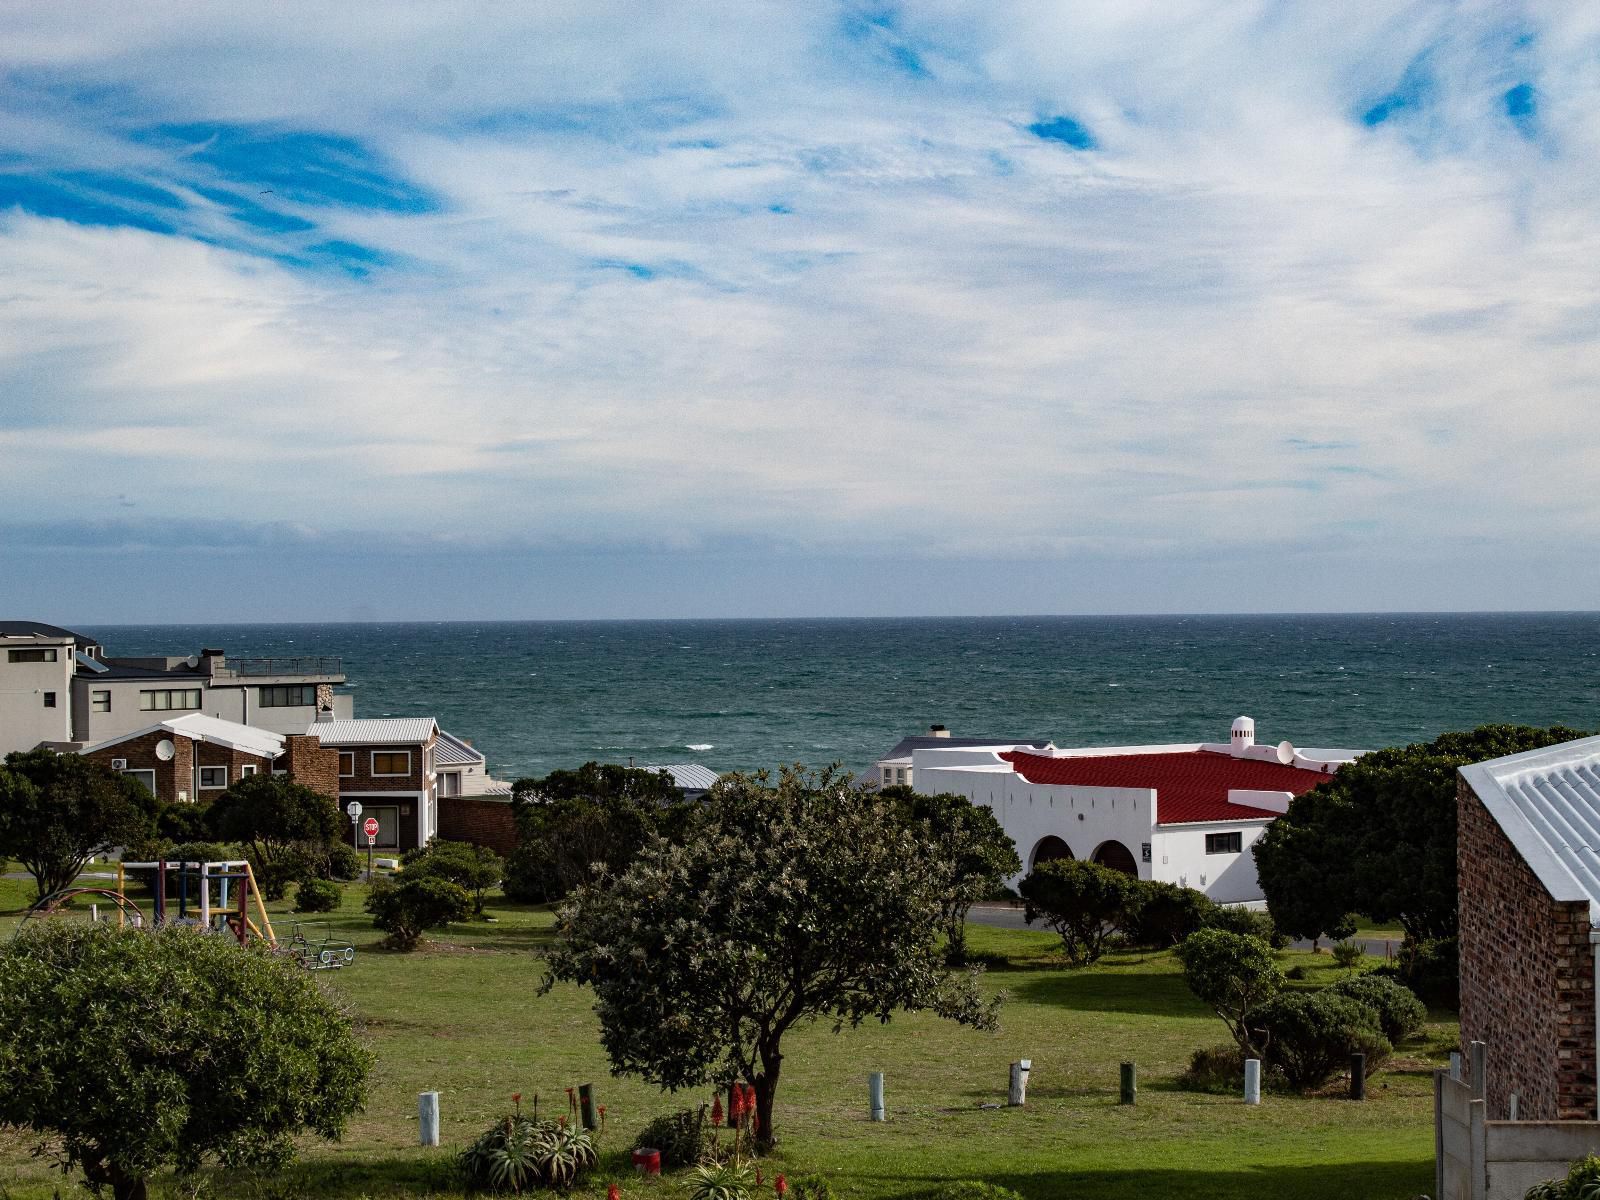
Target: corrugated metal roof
x,y
196,726
691,777
374,731
1548,803
451,751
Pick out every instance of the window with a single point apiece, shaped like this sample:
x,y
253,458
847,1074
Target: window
x,y
391,762
148,778
247,770
213,777
347,764
100,701
1224,843
49,699
293,696
169,698
32,654
450,783
388,827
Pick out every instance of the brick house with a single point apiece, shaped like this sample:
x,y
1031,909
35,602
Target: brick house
x,y
1528,849
388,764
193,759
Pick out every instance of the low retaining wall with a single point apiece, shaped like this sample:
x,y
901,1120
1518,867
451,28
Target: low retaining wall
x,y
481,820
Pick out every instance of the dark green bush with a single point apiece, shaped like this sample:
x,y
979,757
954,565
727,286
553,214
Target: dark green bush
x,y
812,1187
1400,1014
1582,1182
1219,1070
517,1153
1431,969
1296,972
1348,954
684,1138
1311,1035
1235,918
1163,914
475,868
344,862
317,896
1084,902
408,909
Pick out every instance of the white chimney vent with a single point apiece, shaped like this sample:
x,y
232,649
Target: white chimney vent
x,y
1243,735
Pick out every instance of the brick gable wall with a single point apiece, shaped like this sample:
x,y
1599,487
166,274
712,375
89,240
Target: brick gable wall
x,y
479,821
1527,976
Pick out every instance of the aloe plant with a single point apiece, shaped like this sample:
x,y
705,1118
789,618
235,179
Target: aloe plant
x,y
731,1180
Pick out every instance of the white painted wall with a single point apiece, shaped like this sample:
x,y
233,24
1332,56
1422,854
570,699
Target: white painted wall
x,y
24,720
1180,857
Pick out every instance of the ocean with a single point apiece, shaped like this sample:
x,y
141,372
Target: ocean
x,y
741,695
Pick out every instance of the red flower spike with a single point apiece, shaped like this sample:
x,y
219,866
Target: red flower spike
x,y
780,1185
613,1192
716,1112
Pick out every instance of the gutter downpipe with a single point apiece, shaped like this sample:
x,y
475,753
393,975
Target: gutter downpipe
x,y
1594,955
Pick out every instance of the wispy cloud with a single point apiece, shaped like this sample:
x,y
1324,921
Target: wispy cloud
x,y
958,279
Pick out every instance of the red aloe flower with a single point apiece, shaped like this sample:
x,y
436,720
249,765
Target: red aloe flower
x,y
780,1185
716,1111
613,1192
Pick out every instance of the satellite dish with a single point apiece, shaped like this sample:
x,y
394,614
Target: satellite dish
x,y
165,749
192,661
1285,753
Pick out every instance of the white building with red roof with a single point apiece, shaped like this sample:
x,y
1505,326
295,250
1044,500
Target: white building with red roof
x,y
1185,814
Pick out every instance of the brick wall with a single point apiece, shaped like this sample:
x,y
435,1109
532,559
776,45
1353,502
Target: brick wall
x,y
178,773
311,764
365,781
1527,977
480,821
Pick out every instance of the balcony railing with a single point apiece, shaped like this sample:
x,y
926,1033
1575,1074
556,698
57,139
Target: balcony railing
x,y
308,664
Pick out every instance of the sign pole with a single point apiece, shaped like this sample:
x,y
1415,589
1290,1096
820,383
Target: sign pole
x,y
370,828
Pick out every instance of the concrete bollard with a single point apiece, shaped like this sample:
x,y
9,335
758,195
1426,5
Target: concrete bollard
x,y
1018,1095
1358,1077
1130,1084
875,1097
1252,1081
428,1117
1455,1065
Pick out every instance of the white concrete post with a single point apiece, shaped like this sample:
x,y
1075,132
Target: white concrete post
x,y
1480,1068
1252,1081
205,896
94,913
1018,1094
875,1096
1513,1116
428,1117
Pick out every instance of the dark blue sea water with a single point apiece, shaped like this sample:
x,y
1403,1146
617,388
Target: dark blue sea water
x,y
538,695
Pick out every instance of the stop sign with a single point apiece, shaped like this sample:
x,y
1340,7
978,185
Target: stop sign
x,y
370,827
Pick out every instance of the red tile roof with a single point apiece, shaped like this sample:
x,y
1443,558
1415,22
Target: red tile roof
x,y
1190,785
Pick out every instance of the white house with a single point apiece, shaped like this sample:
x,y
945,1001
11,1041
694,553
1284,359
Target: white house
x,y
1184,814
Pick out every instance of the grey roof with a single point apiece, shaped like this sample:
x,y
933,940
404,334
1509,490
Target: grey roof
x,y
1548,803
926,741
113,669
40,629
375,731
198,727
691,777
451,751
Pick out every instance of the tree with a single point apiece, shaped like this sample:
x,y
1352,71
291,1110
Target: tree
x,y
409,909
137,1049
475,868
978,854
57,811
1379,838
285,827
1235,974
810,899
1163,914
1082,901
569,821
1310,1035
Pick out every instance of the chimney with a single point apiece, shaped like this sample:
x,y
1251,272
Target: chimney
x,y
938,731
1243,735
324,715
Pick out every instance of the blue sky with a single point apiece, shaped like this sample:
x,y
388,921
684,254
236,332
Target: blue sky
x,y
769,309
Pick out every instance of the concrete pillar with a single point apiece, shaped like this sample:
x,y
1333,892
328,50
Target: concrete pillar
x,y
1130,1084
1252,1081
1455,1065
1480,1068
1018,1095
875,1097
428,1117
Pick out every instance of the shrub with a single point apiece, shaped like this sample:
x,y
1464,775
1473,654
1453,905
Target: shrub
x,y
968,1189
1219,1070
1236,918
1163,914
317,896
1312,1035
344,862
812,1187
1296,972
684,1138
1348,954
1235,974
1082,901
731,1180
1400,1014
405,911
1431,969
517,1153
475,868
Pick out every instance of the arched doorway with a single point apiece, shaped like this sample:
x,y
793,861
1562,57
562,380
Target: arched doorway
x,y
1116,856
1048,850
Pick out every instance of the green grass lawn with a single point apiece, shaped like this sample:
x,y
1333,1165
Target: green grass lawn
x,y
462,1016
